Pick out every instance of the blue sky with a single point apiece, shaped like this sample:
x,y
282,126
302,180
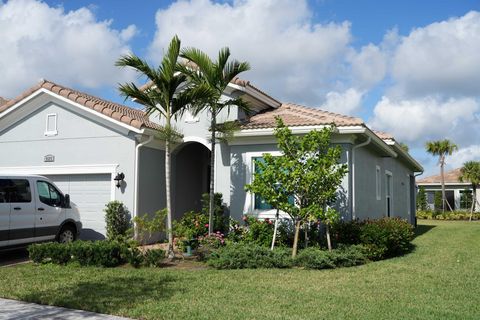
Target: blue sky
x,y
411,68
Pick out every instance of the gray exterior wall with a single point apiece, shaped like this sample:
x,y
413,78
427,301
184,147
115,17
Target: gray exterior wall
x,y
366,203
151,177
80,141
240,174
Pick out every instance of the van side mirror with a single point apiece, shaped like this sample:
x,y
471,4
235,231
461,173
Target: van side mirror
x,y
66,201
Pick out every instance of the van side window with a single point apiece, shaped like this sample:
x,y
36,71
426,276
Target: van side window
x,y
5,184
15,191
48,194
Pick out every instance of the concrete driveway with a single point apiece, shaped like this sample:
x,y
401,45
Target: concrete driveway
x,y
12,257
11,309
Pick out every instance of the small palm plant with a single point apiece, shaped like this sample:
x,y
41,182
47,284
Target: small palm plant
x,y
442,148
471,172
169,96
215,76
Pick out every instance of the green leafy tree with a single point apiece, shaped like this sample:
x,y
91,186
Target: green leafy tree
x,y
167,98
442,148
307,171
437,201
422,203
215,77
471,172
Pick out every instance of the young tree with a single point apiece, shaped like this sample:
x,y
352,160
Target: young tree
x,y
471,172
442,148
215,76
165,98
422,203
308,171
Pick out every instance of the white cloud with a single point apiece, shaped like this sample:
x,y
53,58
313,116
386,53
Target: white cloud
x,y
369,66
470,153
72,48
441,58
343,102
292,58
422,119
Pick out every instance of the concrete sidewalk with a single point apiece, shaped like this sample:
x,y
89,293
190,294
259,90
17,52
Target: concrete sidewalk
x,y
12,309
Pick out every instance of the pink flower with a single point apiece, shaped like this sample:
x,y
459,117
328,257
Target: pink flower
x,y
244,218
206,225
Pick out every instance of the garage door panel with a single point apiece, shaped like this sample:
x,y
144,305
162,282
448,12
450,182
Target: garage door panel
x,y
89,193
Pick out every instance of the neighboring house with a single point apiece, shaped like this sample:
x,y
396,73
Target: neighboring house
x,y
82,143
458,194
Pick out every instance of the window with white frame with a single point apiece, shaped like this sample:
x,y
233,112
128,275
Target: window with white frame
x,y
378,179
51,125
389,192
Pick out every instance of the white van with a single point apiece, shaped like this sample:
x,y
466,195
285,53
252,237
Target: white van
x,y
32,209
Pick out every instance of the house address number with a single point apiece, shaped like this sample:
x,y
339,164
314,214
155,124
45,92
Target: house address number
x,y
49,158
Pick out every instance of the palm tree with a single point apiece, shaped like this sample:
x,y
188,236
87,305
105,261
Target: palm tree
x,y
471,172
214,75
166,97
441,148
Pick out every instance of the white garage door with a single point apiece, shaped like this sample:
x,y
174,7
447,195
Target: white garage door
x,y
90,193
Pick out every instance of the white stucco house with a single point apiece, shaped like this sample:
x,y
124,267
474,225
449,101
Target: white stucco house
x,y
83,142
457,192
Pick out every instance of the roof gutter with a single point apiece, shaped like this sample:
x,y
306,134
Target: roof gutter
x,y
353,174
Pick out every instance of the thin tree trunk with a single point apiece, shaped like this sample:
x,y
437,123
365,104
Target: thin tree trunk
x,y
329,242
168,198
295,238
442,163
474,200
211,203
275,230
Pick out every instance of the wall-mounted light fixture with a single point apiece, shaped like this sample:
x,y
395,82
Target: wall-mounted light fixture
x,y
119,179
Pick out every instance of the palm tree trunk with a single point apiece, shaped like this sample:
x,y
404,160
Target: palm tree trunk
x,y
168,197
329,241
474,200
442,163
295,238
211,200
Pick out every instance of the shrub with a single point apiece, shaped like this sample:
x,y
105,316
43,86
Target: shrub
x,y
99,253
314,258
154,257
134,257
54,252
386,237
146,226
347,232
258,231
190,227
86,253
344,256
220,220
117,219
249,256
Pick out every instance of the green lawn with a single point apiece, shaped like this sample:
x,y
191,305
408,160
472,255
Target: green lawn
x,y
439,280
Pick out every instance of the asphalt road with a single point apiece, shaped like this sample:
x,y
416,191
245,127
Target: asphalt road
x,y
12,257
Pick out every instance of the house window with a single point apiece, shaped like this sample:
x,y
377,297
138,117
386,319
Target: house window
x,y
466,199
389,192
190,118
51,125
258,202
378,178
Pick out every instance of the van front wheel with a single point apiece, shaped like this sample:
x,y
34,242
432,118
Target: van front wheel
x,y
66,235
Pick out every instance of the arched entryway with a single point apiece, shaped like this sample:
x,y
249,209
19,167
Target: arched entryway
x,y
190,177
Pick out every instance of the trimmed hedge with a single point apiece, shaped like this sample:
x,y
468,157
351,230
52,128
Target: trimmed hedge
x,y
98,253
344,256
447,215
382,238
249,256
243,256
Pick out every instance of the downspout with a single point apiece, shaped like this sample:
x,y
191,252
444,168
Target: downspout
x,y
137,155
353,174
414,220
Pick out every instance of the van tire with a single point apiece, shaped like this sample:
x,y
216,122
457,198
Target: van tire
x,y
66,234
